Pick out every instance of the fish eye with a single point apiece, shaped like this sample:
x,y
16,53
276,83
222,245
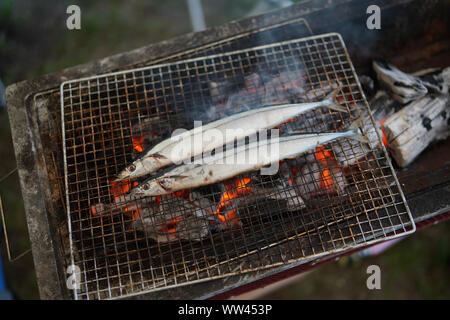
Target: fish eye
x,y
145,186
132,167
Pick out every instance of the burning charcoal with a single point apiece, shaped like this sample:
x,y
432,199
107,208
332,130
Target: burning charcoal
x,y
349,151
382,106
147,132
410,130
436,80
214,90
319,91
177,219
287,194
315,179
230,199
402,86
124,207
283,191
307,181
286,87
320,175
231,97
99,209
368,86
220,91
249,96
201,201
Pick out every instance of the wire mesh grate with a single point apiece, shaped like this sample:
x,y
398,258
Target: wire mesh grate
x,y
342,195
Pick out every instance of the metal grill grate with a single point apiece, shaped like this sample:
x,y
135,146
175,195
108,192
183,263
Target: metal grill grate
x,y
292,216
269,32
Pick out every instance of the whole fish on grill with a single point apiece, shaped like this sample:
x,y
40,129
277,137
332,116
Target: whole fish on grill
x,y
221,166
402,86
257,119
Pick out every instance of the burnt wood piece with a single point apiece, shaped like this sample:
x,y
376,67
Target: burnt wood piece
x,y
406,43
410,130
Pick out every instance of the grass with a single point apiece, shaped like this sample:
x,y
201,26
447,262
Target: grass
x,y
415,268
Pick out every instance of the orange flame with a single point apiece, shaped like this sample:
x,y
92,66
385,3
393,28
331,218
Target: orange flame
x,y
230,218
295,84
326,182
138,144
385,141
234,189
184,194
119,189
170,226
324,156
294,174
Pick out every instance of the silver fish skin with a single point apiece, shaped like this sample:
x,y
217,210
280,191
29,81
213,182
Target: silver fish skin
x,y
402,86
218,168
254,120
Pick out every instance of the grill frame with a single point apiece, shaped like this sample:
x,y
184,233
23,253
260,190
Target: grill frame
x,y
267,29
266,266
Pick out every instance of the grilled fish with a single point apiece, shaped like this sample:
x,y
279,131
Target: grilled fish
x,y
217,168
257,119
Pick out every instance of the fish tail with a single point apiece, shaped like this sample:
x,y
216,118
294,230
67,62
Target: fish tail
x,y
355,131
331,102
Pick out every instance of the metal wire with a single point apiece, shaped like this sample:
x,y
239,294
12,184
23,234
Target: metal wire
x,y
50,120
8,248
101,115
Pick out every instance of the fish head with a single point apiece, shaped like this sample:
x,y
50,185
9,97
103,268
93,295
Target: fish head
x,y
138,168
148,188
130,171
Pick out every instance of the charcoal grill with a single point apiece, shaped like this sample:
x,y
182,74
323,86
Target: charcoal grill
x,y
34,111
99,115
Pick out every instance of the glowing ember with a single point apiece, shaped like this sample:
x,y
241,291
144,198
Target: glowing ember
x,y
385,141
294,174
120,188
326,182
324,156
295,84
184,194
230,218
138,144
170,226
236,188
